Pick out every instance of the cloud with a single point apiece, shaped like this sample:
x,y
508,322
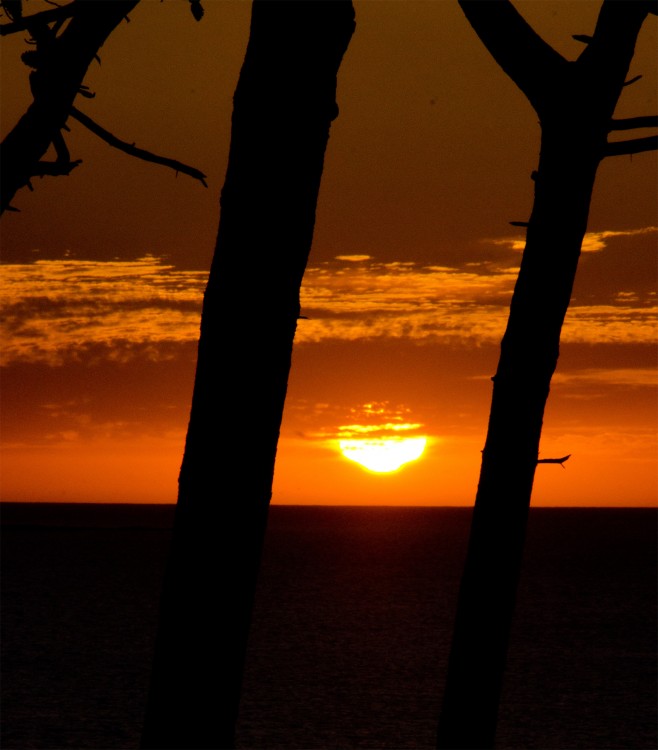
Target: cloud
x,y
370,421
593,242
353,258
611,324
62,310
434,304
621,376
403,300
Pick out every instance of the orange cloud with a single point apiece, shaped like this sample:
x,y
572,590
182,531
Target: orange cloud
x,y
55,311
593,242
618,376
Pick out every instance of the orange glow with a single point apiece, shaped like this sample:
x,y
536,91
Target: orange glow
x,y
405,297
105,471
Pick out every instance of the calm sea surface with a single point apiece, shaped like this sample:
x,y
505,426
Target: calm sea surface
x,y
351,632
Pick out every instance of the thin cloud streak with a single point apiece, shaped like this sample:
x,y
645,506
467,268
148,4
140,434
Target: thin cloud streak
x,y
622,376
593,242
55,311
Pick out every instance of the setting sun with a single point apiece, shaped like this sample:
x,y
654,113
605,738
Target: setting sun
x,y
383,455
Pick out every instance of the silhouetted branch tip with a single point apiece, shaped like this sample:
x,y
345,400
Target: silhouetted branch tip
x,y
132,150
584,38
634,146
520,223
554,460
632,80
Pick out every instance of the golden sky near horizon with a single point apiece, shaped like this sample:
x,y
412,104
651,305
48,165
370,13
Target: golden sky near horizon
x,y
407,289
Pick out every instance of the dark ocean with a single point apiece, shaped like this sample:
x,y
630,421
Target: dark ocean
x,y
351,632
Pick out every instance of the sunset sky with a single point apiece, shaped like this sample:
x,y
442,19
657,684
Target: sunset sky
x,y
406,292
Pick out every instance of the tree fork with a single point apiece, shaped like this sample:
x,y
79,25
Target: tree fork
x,y
575,103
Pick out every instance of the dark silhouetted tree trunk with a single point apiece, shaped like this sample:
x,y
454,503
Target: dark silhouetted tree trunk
x,y
60,63
283,106
575,102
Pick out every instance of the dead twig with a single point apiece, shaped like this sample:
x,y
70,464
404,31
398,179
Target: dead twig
x,y
554,460
132,150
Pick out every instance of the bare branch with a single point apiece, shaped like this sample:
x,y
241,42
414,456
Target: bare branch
x,y
54,168
526,58
55,84
519,223
630,123
132,150
554,460
634,146
60,13
584,38
633,80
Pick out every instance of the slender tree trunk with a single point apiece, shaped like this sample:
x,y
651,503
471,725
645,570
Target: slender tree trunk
x,y
529,354
283,107
62,64
575,103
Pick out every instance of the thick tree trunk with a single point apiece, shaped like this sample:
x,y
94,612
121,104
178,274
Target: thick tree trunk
x,y
62,64
575,103
283,107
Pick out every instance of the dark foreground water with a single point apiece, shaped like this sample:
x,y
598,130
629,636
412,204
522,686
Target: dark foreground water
x,y
351,632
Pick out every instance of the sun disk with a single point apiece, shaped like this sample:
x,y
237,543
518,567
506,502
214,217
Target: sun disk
x,y
383,455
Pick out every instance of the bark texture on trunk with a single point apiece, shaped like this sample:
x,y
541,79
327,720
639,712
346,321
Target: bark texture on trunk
x,y
283,107
61,65
575,103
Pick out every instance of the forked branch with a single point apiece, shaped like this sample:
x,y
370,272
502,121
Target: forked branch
x,y
63,60
526,58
